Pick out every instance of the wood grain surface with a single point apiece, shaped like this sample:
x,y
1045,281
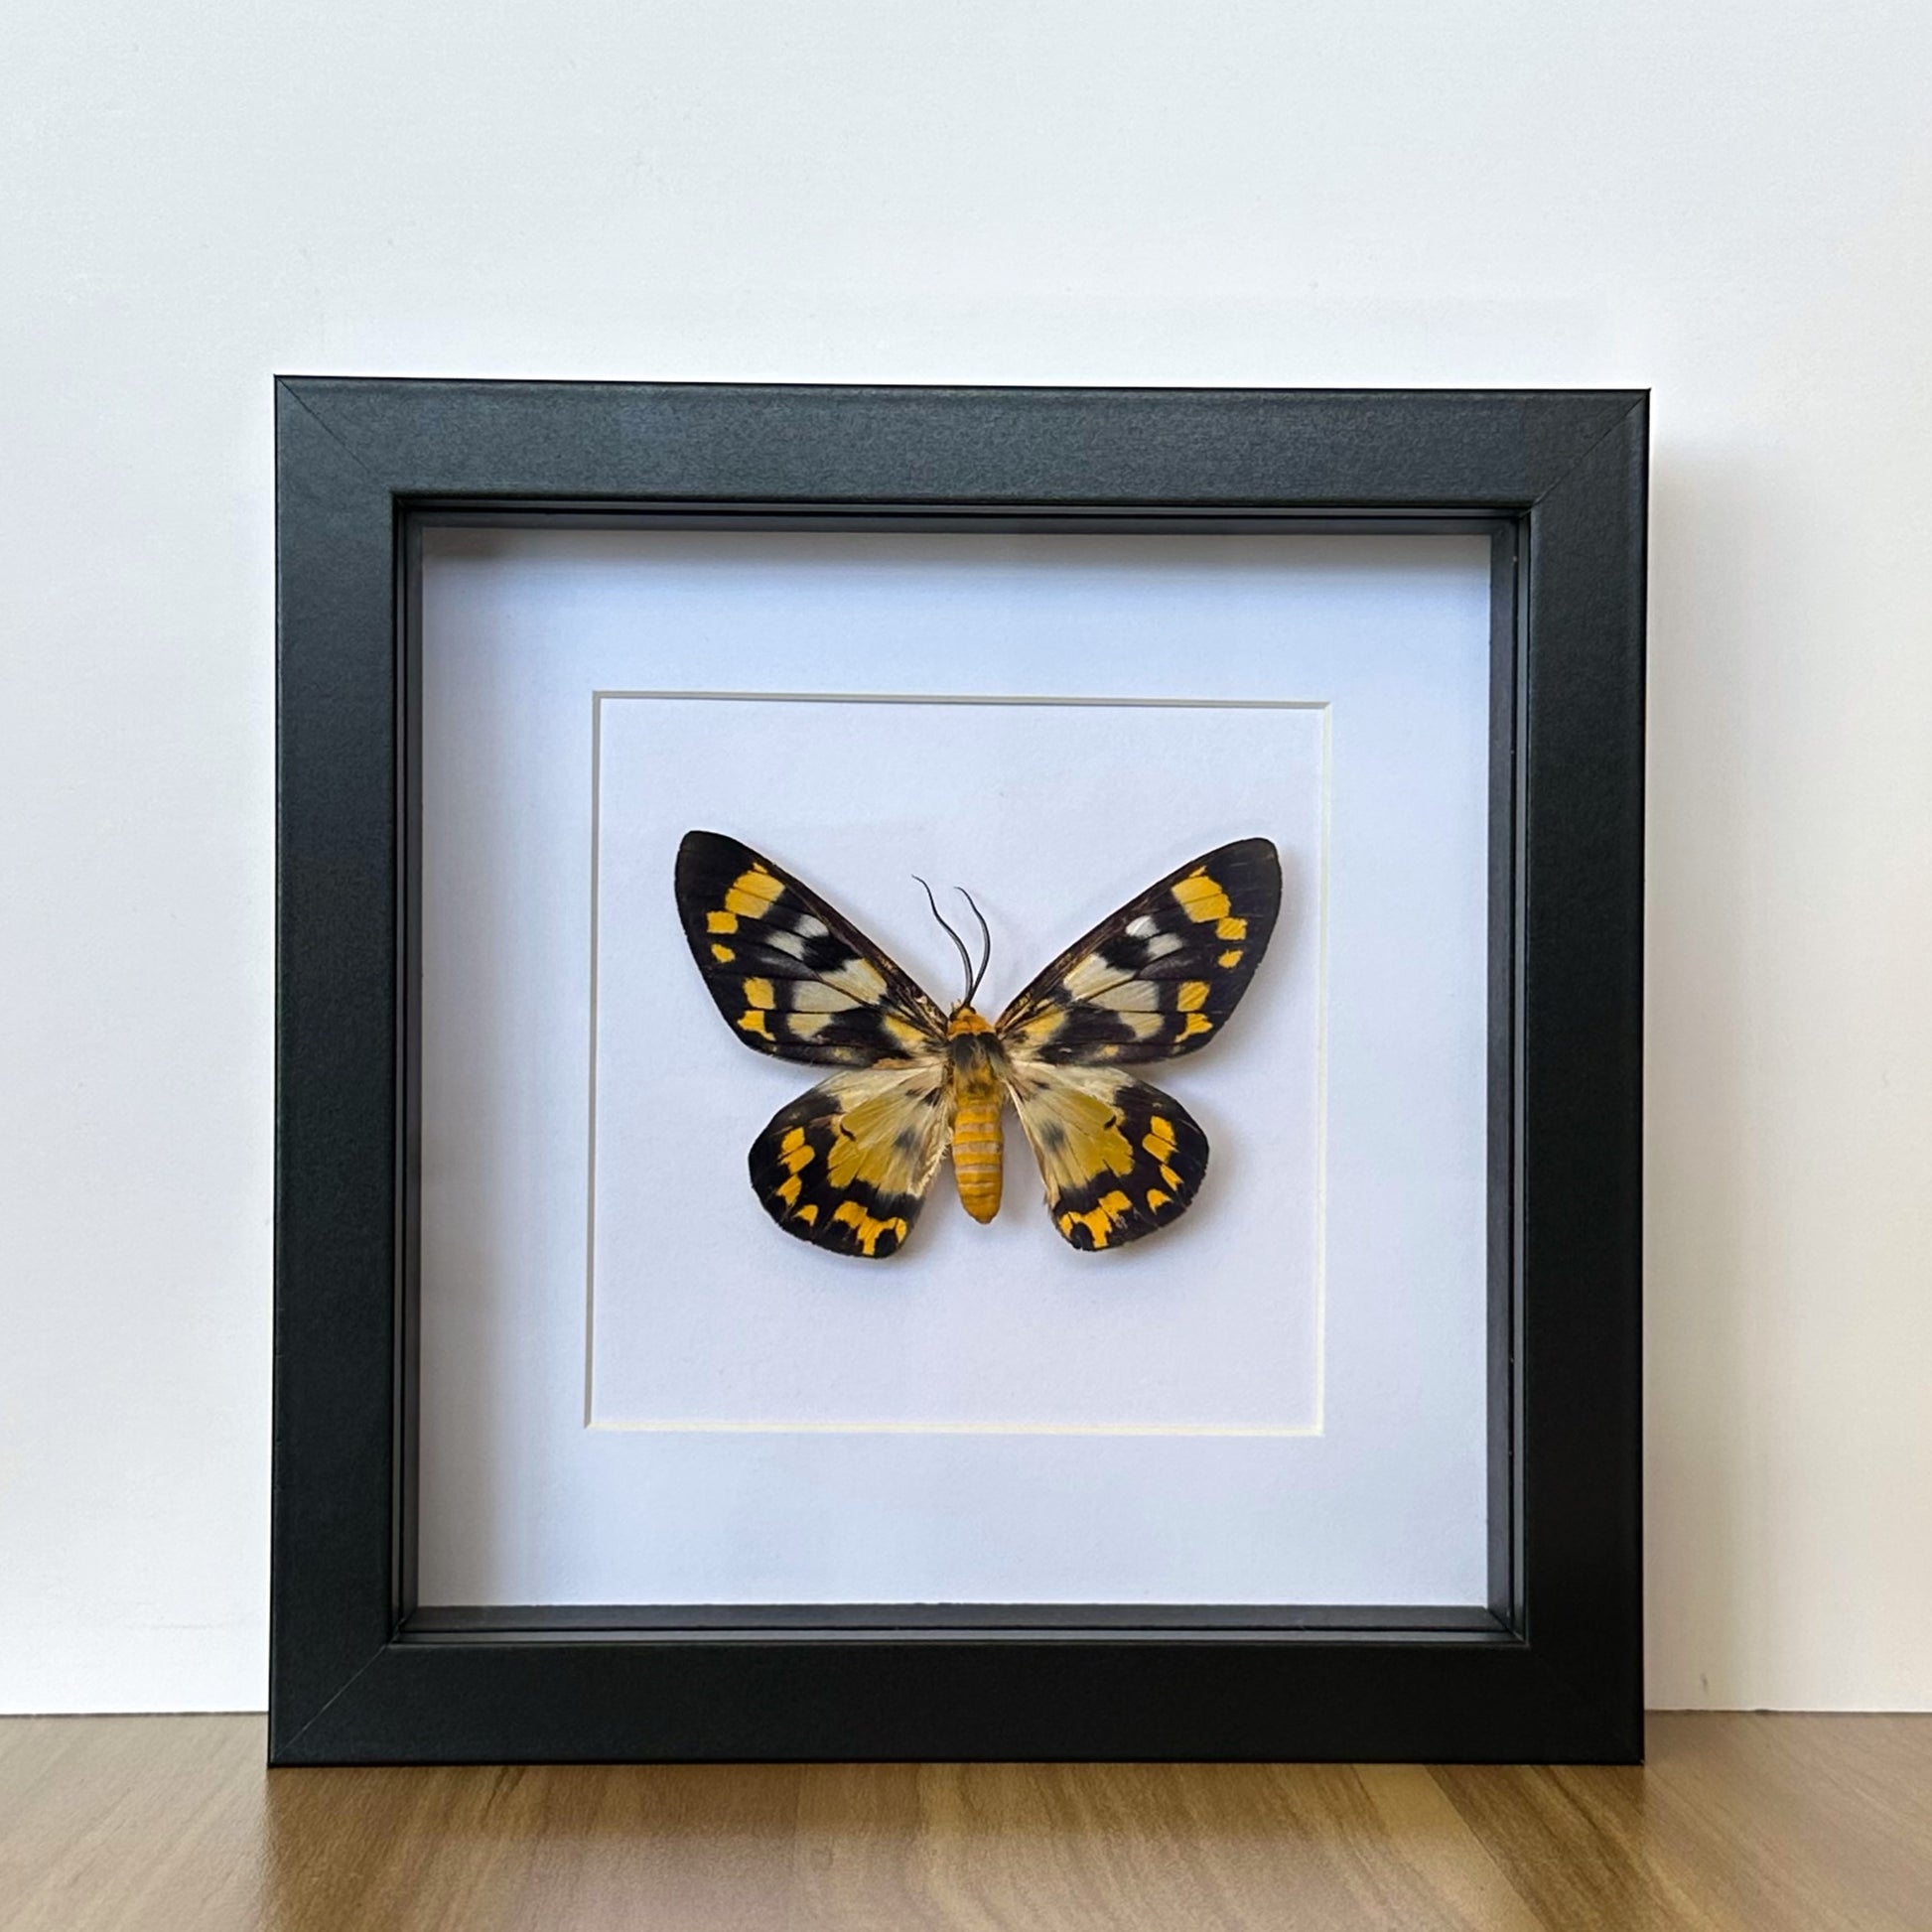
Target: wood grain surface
x,y
1753,1823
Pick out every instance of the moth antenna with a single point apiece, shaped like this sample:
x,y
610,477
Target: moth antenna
x,y
986,956
959,945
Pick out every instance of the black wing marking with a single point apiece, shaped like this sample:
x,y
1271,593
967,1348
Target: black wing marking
x,y
793,977
1160,976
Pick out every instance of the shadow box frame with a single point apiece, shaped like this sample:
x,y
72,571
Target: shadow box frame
x,y
1551,1669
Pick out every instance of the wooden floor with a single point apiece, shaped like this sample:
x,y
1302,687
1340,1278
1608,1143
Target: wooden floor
x,y
1753,1823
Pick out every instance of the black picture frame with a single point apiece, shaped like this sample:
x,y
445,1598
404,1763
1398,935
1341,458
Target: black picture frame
x,y
1551,1670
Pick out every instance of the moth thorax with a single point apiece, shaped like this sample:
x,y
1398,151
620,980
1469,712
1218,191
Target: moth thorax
x,y
966,1021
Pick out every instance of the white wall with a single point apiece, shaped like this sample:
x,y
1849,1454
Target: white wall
x,y
1732,203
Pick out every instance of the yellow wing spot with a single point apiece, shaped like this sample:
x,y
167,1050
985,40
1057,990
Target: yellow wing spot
x,y
1197,1022
865,1229
1157,1200
1044,1026
903,1033
1199,896
789,1190
1158,1140
795,1158
1099,1219
808,1214
1228,960
723,955
753,1023
757,993
721,921
1168,1176
793,1140
1192,996
752,893
1230,929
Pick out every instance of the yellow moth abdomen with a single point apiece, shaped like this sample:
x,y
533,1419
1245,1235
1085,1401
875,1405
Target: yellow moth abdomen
x,y
976,1155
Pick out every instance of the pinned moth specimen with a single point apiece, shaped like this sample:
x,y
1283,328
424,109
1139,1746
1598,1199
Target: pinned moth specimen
x,y
847,1165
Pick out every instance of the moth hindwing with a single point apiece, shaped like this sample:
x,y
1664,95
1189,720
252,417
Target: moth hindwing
x,y
1119,1157
846,1165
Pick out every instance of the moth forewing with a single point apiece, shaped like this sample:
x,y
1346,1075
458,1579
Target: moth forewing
x,y
1158,978
791,976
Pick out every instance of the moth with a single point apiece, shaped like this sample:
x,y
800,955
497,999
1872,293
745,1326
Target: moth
x,y
847,1165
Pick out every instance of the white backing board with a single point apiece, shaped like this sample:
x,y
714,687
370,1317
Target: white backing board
x,y
704,1318
634,1388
